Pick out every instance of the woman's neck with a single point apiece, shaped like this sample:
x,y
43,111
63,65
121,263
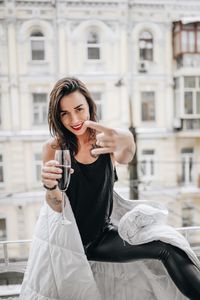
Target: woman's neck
x,y
85,145
84,139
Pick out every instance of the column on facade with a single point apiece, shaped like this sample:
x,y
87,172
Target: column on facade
x,y
169,73
125,88
13,74
15,165
62,50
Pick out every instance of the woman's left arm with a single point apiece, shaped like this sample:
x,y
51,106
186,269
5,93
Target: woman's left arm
x,y
119,142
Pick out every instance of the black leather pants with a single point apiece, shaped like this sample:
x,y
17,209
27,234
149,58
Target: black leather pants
x,y
109,247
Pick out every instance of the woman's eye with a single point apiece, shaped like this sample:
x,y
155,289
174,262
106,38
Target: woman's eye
x,y
63,114
79,109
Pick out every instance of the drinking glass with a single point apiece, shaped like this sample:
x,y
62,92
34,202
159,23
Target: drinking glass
x,y
64,159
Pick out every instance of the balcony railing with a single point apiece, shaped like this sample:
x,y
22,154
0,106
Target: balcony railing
x,y
7,265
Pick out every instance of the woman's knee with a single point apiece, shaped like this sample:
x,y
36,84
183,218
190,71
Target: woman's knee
x,y
167,251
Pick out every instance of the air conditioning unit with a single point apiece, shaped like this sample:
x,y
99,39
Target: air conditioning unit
x,y
143,66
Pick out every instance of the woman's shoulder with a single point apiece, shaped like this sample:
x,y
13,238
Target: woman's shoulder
x,y
51,144
49,148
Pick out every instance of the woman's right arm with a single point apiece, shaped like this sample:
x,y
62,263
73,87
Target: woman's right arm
x,y
50,174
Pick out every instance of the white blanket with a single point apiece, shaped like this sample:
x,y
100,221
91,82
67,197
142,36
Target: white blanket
x,y
58,268
145,223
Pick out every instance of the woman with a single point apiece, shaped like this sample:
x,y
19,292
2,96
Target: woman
x,y
94,150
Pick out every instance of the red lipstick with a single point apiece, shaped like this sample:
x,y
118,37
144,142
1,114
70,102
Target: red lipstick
x,y
78,127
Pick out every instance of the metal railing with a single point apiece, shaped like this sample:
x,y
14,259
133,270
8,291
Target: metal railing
x,y
186,232
6,265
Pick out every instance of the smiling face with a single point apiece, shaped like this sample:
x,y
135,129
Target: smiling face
x,y
74,111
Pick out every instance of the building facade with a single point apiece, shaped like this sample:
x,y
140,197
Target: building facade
x,y
140,60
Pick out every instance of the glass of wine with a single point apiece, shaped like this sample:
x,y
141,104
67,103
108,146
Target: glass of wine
x,y
64,159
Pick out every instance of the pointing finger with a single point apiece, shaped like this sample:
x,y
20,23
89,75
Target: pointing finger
x,y
97,126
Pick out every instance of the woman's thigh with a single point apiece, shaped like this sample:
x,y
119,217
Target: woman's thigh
x,y
111,248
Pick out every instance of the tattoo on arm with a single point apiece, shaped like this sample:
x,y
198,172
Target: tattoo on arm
x,y
54,200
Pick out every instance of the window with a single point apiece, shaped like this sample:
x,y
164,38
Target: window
x,y
187,101
187,165
39,109
148,106
191,95
188,212
186,38
3,234
0,112
146,46
1,169
37,46
97,97
38,164
93,46
147,165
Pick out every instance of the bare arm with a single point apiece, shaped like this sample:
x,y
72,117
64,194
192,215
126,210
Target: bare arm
x,y
50,174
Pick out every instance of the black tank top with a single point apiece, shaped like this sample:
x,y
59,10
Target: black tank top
x,y
90,193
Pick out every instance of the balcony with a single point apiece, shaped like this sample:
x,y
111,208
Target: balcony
x,y
13,270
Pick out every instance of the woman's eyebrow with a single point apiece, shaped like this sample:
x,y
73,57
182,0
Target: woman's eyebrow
x,y
78,106
74,108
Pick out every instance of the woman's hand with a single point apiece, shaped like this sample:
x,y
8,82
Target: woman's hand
x,y
117,141
51,173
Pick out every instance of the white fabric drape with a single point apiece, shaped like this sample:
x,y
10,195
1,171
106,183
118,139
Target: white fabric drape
x,y
58,268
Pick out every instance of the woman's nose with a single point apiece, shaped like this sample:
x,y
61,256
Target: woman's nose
x,y
74,119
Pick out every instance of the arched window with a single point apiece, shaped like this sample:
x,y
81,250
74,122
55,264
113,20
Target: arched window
x,y
93,46
146,46
37,46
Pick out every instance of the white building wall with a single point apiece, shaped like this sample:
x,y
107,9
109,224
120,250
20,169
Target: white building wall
x,y
64,25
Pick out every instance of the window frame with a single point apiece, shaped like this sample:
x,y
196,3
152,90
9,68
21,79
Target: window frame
x,y
149,161
1,123
146,41
41,107
179,30
187,173
190,121
37,166
2,166
99,103
90,45
143,101
6,232
188,212
38,37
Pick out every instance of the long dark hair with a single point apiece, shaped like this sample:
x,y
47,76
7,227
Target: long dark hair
x,y
63,87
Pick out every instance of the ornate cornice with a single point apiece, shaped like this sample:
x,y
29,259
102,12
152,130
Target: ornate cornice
x,y
165,4
94,3
72,3
35,3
